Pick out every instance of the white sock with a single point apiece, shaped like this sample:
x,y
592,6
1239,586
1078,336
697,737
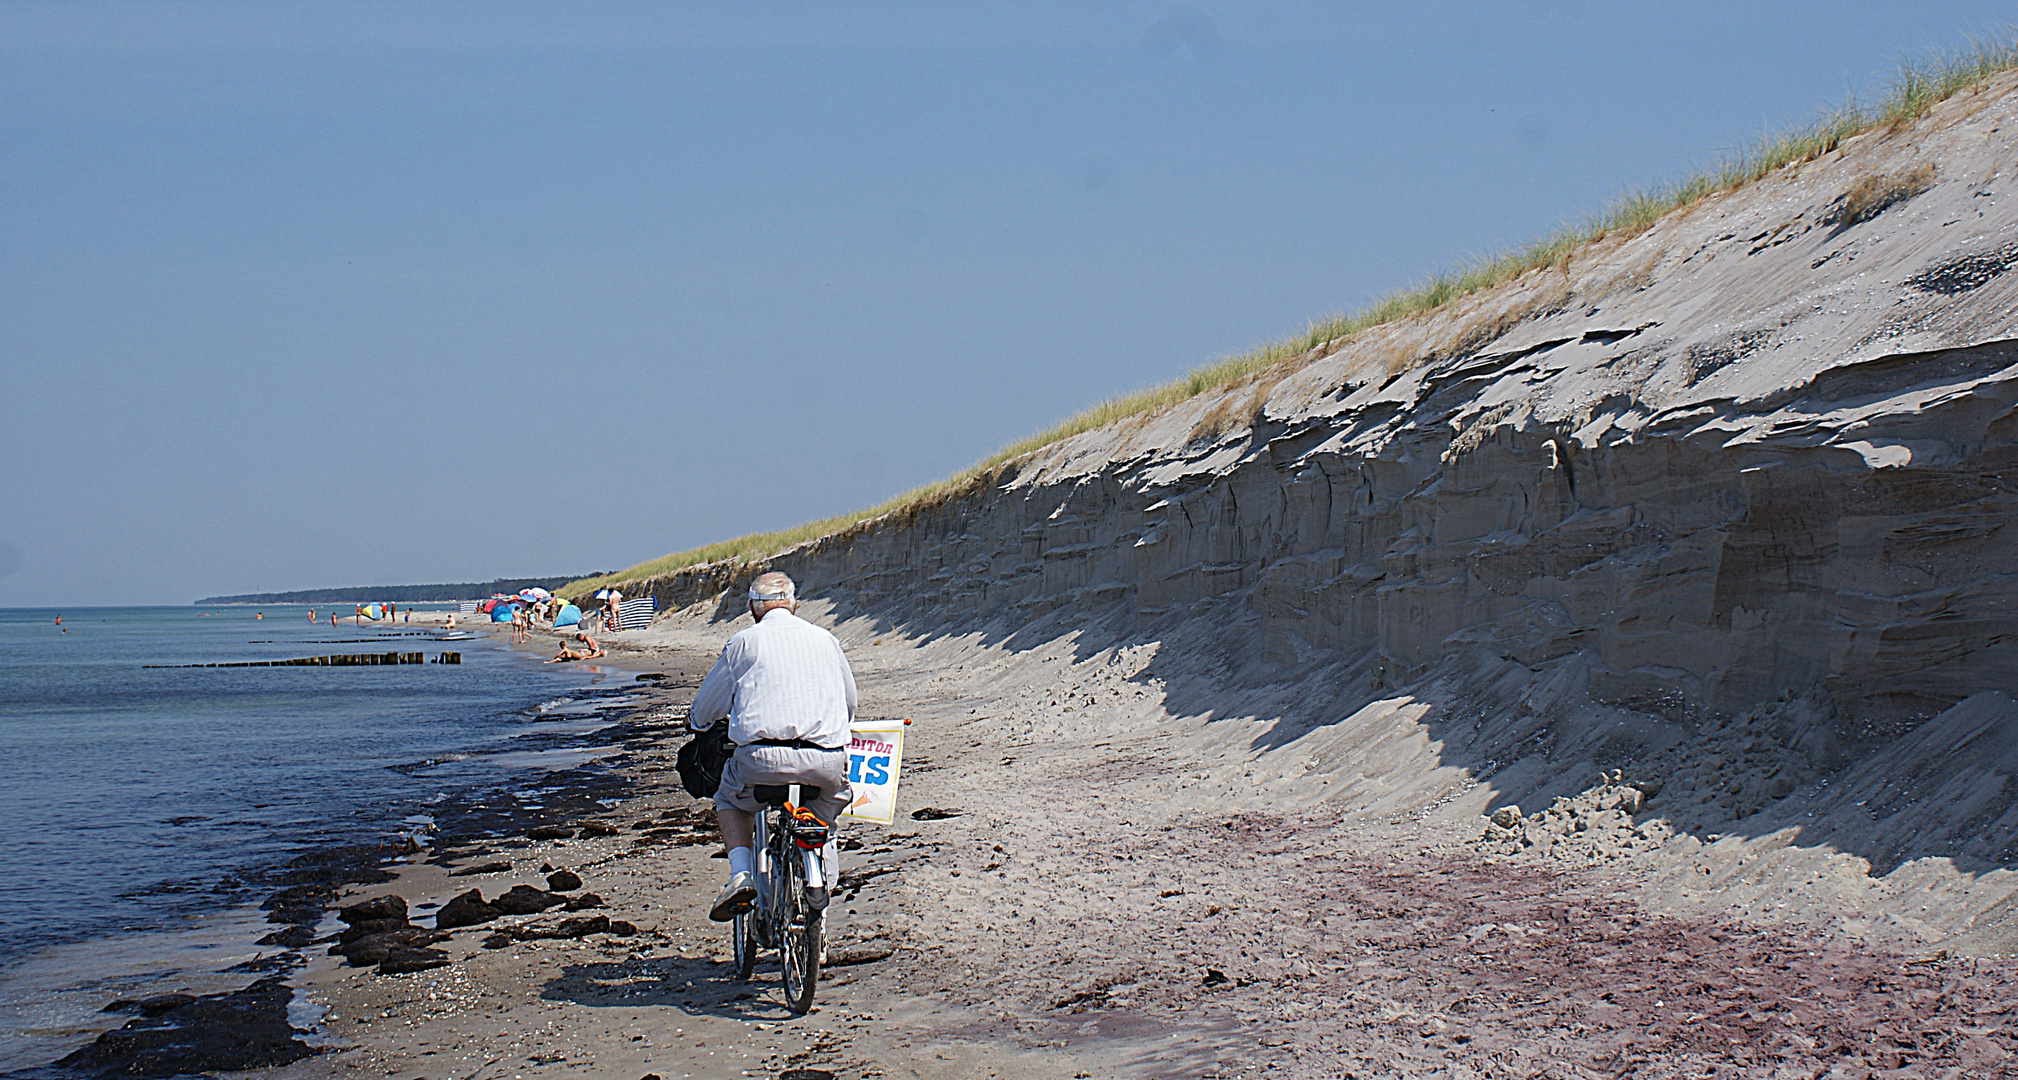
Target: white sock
x,y
830,862
739,861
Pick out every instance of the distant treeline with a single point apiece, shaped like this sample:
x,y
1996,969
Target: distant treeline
x,y
398,594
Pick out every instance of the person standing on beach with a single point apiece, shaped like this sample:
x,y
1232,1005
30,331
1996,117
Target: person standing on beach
x,y
786,690
311,616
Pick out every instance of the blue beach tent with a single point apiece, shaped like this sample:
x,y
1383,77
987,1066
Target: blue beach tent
x,y
502,613
569,616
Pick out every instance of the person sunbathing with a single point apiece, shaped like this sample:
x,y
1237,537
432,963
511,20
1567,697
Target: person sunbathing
x,y
568,655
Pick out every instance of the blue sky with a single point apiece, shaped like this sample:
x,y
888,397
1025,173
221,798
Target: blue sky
x,y
299,295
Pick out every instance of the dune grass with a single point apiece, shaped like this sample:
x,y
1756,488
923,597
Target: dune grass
x,y
1918,87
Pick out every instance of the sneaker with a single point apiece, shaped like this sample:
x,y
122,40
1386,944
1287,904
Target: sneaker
x,y
736,898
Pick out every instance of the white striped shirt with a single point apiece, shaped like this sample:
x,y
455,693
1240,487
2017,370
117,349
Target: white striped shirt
x,y
783,678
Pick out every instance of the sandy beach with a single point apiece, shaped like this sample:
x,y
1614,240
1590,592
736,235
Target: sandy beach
x,y
1094,886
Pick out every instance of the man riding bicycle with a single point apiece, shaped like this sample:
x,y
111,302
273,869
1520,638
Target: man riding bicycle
x,y
787,692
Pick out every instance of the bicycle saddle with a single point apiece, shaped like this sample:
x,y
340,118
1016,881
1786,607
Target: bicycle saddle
x,y
776,794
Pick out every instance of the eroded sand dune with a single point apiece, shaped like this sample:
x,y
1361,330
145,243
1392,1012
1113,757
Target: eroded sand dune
x,y
1721,509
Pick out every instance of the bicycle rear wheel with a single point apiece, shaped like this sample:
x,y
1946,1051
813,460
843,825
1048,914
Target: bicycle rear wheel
x,y
802,925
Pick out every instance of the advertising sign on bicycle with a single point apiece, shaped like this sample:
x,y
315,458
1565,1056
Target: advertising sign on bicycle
x,y
875,752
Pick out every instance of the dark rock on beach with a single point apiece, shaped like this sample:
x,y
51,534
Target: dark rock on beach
x,y
267,965
377,926
526,900
599,828
299,903
376,910
564,881
584,902
309,883
368,927
468,909
246,1029
150,1006
581,926
373,948
550,832
403,960
290,937
312,881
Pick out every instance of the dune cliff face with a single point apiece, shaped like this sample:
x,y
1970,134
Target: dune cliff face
x,y
1757,450
1750,472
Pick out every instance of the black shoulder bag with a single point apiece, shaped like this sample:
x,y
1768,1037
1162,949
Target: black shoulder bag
x,y
701,759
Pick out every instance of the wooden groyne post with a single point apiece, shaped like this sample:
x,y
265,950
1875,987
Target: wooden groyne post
x,y
338,660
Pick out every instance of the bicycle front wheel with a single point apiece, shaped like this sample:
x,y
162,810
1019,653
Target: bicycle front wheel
x,y
745,930
803,925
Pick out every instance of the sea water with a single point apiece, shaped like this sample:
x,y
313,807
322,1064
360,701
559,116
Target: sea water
x,y
139,805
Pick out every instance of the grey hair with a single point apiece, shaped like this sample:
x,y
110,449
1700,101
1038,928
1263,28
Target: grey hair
x,y
771,588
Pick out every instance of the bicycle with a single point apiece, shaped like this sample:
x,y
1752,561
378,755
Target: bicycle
x,y
790,911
